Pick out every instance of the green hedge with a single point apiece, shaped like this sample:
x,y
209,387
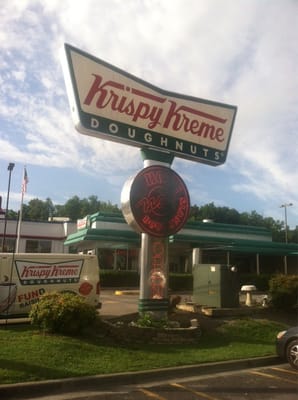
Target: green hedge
x,y
177,282
119,279
283,291
131,279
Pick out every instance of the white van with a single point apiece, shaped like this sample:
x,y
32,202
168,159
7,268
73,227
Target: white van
x,y
24,277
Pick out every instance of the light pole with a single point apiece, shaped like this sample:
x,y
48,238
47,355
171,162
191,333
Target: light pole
x,y
285,205
9,168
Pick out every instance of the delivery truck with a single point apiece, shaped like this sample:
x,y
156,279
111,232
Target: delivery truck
x,y
24,277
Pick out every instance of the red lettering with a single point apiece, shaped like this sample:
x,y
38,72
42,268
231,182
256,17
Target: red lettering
x,y
29,295
179,118
104,95
180,214
118,98
153,178
157,276
153,225
98,89
150,204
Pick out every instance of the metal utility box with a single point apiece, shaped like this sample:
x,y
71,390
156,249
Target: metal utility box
x,y
215,285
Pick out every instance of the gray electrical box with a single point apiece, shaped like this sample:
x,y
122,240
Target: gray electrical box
x,y
215,285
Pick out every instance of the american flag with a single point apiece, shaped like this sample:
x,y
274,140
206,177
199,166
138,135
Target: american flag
x,y
25,181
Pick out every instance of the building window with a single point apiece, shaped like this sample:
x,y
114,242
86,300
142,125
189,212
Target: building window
x,y
38,246
9,245
120,259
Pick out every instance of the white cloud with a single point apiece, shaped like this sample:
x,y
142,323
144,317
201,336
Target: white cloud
x,y
242,53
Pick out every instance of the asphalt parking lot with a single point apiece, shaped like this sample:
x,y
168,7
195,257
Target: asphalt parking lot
x,y
276,382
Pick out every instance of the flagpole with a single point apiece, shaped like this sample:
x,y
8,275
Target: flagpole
x,y
24,189
19,223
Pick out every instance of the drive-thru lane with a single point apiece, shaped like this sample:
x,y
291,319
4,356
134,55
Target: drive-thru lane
x,y
117,303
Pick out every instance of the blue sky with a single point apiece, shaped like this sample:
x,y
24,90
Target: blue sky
x,y
239,52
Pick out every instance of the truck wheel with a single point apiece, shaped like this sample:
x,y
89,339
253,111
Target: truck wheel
x,y
292,353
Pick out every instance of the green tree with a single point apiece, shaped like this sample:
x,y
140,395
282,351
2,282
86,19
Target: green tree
x,y
194,214
73,208
294,235
223,215
275,227
231,216
11,214
208,211
76,208
51,207
36,210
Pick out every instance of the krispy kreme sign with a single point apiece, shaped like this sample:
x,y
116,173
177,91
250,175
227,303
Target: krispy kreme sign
x,y
33,273
155,201
111,104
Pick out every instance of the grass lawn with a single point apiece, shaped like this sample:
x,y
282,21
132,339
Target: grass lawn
x,y
28,355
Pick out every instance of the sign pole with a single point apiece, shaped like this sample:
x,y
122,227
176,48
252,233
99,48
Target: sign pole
x,y
154,276
154,262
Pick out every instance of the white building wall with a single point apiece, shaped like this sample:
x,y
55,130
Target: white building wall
x,y
55,232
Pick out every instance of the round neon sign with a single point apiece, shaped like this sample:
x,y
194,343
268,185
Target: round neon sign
x,y
156,201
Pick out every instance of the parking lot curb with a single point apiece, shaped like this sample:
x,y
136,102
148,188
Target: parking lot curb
x,y
85,384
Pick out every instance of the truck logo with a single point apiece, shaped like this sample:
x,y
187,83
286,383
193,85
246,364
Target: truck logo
x,y
35,273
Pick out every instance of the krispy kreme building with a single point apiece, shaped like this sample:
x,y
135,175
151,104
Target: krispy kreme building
x,y
250,248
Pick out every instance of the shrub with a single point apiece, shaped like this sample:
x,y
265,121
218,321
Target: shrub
x,y
111,278
128,279
148,321
65,313
180,281
283,291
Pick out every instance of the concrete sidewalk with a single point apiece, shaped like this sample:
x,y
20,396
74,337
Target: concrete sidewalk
x,y
87,384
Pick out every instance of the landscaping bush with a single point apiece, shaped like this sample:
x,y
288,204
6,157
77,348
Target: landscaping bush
x,y
119,279
178,282
148,321
64,313
131,279
283,291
